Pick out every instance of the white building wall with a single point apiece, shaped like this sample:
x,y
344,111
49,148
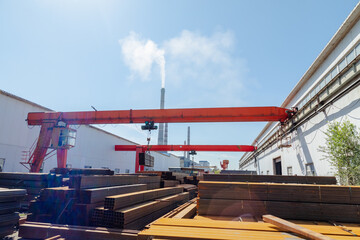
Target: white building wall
x,y
305,142
94,147
308,137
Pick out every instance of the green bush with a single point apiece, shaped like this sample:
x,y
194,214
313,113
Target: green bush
x,y
342,150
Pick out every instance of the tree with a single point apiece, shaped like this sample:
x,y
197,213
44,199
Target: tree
x,y
342,150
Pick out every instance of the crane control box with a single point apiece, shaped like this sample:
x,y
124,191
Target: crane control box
x,y
63,138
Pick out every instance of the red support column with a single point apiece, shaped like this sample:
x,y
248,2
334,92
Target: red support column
x,y
61,158
138,150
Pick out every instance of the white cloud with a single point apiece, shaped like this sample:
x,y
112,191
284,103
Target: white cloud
x,y
203,68
206,64
139,55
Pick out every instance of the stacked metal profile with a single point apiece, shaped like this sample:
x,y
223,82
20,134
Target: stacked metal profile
x,y
74,204
32,182
191,189
289,201
135,210
9,207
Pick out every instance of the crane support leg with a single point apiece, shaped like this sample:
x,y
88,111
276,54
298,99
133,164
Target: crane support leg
x,y
42,145
61,157
138,150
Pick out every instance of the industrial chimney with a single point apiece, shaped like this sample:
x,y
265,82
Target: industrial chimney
x,y
161,125
188,141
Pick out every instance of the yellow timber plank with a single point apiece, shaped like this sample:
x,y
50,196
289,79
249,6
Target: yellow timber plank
x,y
211,233
171,232
251,226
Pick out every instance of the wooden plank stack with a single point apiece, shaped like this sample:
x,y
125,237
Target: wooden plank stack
x,y
9,207
289,201
175,229
135,210
324,180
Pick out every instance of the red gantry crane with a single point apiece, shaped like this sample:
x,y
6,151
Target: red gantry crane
x,y
55,131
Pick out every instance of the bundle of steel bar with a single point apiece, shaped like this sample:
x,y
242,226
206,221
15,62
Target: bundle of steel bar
x,y
83,182
124,200
35,230
186,210
191,189
74,205
32,182
270,178
135,210
191,180
152,182
9,207
81,171
171,228
289,201
169,183
168,175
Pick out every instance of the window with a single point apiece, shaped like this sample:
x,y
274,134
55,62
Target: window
x,y
327,79
310,170
262,172
289,171
268,172
351,56
342,65
2,164
357,49
87,166
334,72
127,170
117,170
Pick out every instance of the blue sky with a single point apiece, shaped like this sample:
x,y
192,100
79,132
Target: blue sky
x,y
69,55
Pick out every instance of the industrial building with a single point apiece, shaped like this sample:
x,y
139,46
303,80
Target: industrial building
x,y
328,91
94,146
103,186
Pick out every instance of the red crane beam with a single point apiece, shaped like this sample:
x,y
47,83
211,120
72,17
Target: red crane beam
x,y
229,114
186,148
48,120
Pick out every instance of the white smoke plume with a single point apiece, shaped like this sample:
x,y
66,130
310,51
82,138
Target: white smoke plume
x,y
140,54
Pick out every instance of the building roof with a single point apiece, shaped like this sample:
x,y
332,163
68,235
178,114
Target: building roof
x,y
2,92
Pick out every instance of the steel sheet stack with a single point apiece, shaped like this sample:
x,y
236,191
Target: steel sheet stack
x,y
9,207
289,201
324,180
